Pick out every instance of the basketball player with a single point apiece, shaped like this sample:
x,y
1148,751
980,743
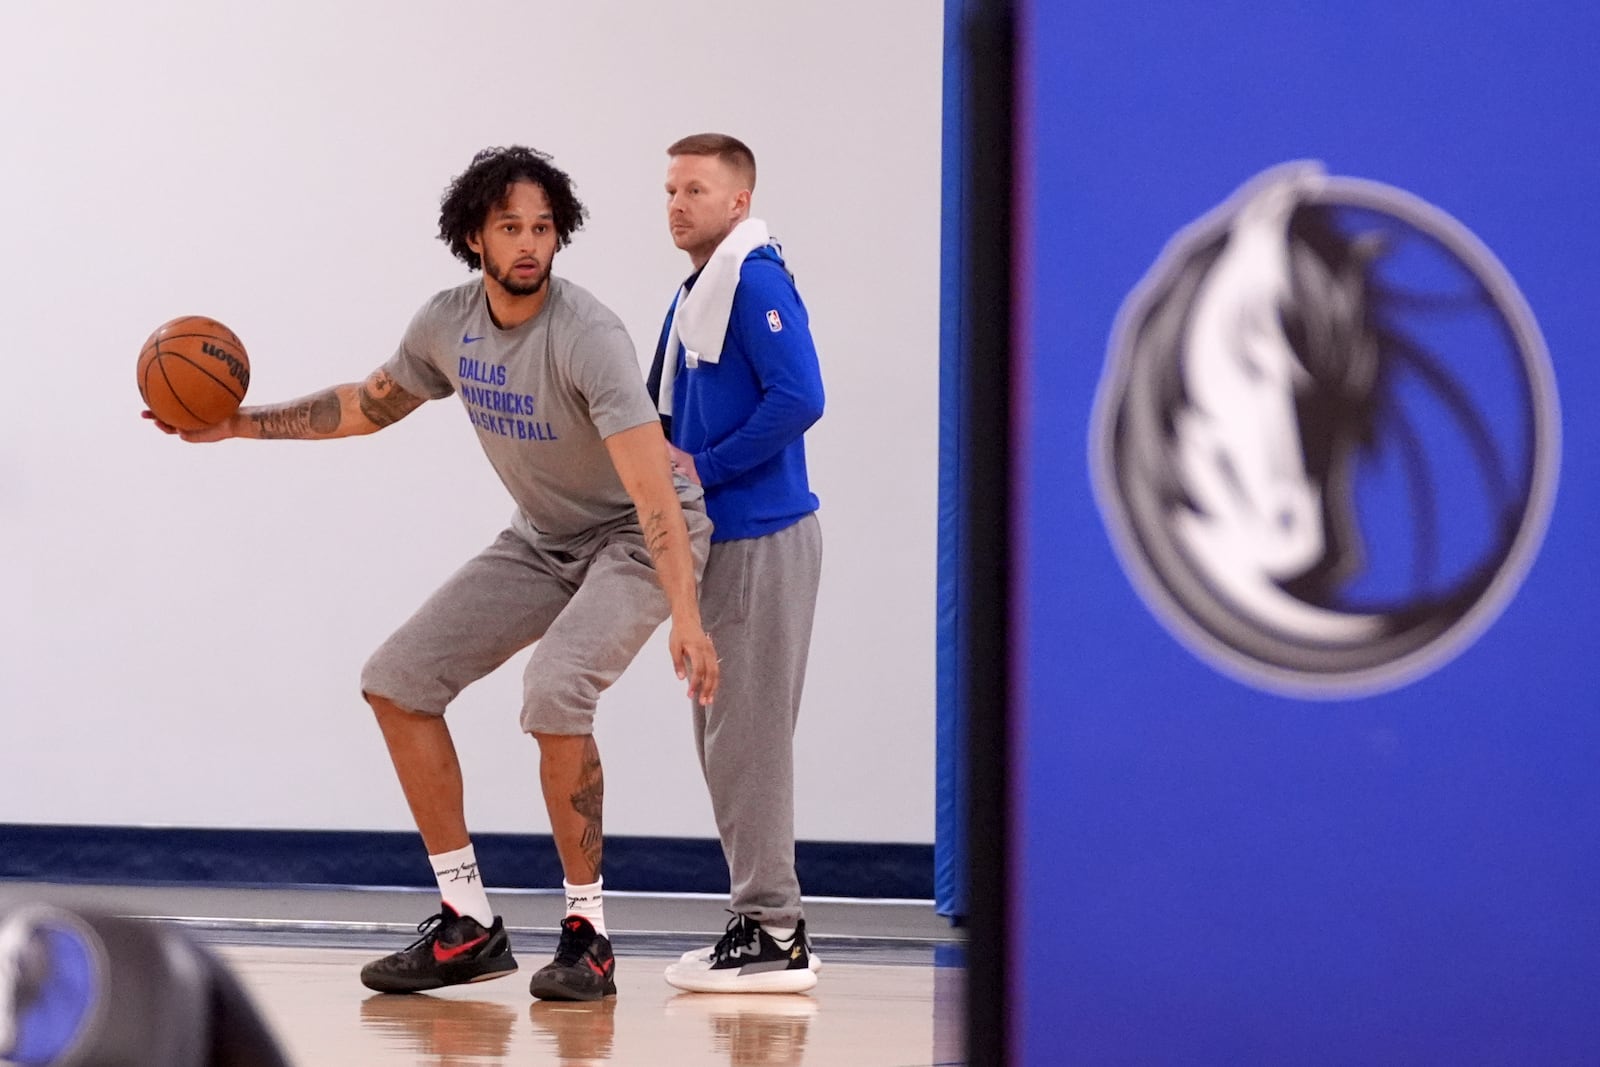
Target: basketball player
x,y
737,382
603,548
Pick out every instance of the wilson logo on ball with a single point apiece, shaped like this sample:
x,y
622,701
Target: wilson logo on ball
x,y
236,368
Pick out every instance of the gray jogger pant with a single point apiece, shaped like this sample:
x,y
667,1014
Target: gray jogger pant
x,y
758,599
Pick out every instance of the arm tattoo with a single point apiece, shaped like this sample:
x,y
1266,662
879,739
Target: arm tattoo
x,y
655,536
313,416
383,401
588,801
325,413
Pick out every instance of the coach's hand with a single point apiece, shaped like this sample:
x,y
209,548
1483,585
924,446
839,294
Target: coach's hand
x,y
682,463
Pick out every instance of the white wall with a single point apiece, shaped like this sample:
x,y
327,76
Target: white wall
x,y
183,625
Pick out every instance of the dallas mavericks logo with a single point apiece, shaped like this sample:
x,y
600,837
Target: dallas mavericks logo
x,y
52,986
1326,441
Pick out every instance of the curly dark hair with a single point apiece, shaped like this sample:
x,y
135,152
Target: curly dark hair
x,y
466,204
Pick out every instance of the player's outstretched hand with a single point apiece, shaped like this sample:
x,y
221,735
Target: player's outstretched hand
x,y
695,659
220,432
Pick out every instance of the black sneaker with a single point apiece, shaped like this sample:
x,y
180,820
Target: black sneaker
x,y
583,969
452,950
748,960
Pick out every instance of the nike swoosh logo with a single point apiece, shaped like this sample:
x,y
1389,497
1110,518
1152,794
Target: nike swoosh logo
x,y
467,339
445,955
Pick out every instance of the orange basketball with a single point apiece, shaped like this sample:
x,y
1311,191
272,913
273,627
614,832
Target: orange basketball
x,y
193,372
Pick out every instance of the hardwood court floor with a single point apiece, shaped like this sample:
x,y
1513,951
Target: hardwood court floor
x,y
890,993
859,1014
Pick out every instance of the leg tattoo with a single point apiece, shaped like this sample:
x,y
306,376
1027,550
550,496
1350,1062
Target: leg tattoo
x,y
588,801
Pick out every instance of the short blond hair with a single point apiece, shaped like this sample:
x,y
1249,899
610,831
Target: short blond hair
x,y
732,151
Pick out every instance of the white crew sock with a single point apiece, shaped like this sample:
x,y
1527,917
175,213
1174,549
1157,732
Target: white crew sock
x,y
585,900
460,886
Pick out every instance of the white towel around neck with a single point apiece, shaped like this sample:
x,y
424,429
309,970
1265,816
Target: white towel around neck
x,y
700,318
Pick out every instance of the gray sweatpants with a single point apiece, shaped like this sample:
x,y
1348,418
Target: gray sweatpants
x,y
758,599
590,614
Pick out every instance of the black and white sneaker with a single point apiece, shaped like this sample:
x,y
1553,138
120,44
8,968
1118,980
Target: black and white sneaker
x,y
705,952
748,959
453,950
584,968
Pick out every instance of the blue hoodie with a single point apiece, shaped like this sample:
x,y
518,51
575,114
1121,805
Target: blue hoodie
x,y
743,418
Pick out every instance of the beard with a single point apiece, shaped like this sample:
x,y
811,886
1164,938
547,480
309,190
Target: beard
x,y
510,283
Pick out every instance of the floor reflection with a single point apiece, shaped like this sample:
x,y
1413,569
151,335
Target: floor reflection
x,y
454,1032
581,1032
752,1029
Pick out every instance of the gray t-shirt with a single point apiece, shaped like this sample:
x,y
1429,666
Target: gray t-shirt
x,y
542,396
